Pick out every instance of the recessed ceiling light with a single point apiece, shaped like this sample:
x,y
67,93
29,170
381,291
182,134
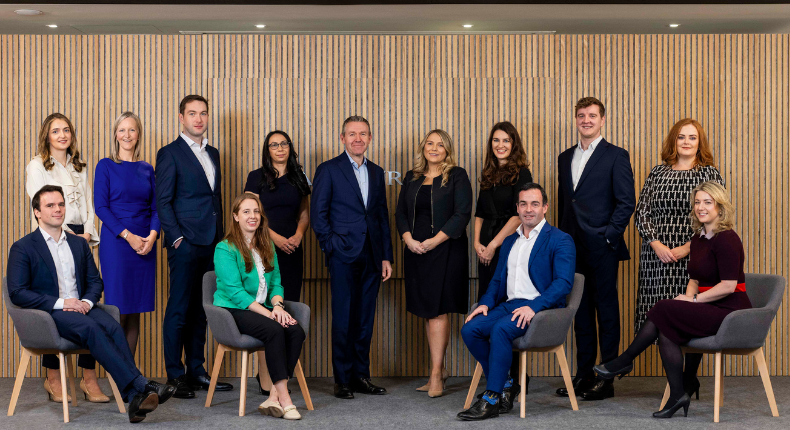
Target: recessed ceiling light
x,y
28,12
674,25
260,25
468,26
52,25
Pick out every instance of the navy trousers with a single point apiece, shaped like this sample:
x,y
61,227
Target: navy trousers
x,y
98,332
184,324
490,341
355,288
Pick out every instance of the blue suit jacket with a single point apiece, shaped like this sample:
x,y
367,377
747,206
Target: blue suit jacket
x,y
552,265
339,217
186,205
33,280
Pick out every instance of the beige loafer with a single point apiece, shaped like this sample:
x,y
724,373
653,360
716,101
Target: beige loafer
x,y
270,407
290,413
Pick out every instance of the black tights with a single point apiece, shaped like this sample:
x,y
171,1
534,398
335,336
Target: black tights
x,y
671,356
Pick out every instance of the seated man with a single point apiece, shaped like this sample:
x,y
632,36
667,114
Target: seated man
x,y
535,272
55,272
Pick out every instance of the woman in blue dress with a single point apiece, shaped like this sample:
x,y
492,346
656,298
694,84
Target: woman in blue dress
x,y
125,202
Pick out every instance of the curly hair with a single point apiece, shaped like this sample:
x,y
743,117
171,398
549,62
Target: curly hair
x,y
726,219
43,143
493,174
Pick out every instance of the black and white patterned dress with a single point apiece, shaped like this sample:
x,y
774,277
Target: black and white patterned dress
x,y
663,214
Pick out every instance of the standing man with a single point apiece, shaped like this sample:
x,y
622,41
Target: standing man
x,y
351,222
189,202
596,200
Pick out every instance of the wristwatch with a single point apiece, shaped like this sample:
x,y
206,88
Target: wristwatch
x,y
280,304
694,299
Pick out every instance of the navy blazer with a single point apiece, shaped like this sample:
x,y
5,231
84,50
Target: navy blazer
x,y
339,217
33,279
552,265
601,206
185,202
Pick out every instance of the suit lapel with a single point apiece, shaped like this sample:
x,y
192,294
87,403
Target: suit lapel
x,y
41,247
565,168
603,145
74,247
195,162
215,161
348,171
543,239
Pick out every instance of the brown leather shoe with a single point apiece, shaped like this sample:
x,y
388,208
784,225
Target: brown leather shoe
x,y
54,396
95,397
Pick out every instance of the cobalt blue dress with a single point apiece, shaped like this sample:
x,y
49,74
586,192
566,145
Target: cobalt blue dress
x,y
124,199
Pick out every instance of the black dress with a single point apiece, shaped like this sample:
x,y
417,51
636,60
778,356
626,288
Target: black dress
x,y
496,206
281,207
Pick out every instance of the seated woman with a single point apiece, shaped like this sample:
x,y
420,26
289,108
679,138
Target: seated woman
x,y
716,287
248,285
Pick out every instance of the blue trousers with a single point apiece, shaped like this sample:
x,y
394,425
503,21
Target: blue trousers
x,y
490,340
104,337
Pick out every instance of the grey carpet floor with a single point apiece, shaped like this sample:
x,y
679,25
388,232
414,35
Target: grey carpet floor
x,y
745,407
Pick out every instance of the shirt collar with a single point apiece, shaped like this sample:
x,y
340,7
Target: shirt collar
x,y
192,143
702,233
48,237
592,145
68,160
534,232
364,160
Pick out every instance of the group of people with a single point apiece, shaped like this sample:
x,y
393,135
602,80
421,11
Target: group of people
x,y
691,262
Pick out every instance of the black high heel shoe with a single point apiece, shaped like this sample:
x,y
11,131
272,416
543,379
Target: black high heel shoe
x,y
691,387
260,387
668,411
603,373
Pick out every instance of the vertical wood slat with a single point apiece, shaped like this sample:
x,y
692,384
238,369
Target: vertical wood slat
x,y
736,85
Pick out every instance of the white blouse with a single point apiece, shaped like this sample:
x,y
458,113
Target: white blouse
x,y
263,289
77,190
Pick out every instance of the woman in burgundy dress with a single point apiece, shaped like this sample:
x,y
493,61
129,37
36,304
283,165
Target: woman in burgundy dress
x,y
716,287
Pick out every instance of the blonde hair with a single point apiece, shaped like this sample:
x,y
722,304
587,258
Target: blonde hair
x,y
421,164
726,219
115,148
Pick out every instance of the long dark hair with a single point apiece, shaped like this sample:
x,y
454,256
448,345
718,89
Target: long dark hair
x,y
493,174
294,174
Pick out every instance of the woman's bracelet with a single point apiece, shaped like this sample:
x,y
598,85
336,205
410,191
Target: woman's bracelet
x,y
280,304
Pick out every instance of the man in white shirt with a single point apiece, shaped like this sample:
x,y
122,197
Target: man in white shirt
x,y
52,271
189,204
535,272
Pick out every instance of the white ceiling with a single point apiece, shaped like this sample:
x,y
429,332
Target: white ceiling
x,y
396,19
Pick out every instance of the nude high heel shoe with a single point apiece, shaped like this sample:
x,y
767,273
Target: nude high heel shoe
x,y
427,386
93,397
56,397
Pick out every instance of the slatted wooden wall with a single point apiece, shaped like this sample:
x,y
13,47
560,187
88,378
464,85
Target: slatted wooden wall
x,y
736,85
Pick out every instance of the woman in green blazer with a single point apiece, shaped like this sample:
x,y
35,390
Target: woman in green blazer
x,y
248,286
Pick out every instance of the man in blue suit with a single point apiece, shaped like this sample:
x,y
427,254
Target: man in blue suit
x,y
535,272
596,201
189,203
350,219
54,272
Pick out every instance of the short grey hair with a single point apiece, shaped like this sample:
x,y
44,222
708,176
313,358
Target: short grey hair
x,y
355,118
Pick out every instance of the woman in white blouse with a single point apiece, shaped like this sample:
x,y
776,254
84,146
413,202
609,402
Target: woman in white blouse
x,y
58,162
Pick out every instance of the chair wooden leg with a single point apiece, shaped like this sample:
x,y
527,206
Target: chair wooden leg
x,y
63,387
522,377
665,399
116,394
717,388
473,386
70,373
303,385
20,376
245,357
215,373
566,375
721,384
769,391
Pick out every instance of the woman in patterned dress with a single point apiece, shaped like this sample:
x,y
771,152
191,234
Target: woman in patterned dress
x,y
662,214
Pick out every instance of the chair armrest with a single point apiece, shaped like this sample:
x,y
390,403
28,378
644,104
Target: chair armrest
x,y
36,328
222,325
745,328
548,328
113,311
301,313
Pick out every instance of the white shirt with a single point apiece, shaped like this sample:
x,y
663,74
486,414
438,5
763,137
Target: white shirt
x,y
580,159
519,284
64,266
263,289
203,157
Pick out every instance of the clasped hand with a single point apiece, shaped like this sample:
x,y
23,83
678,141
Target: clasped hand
x,y
76,305
421,247
141,245
282,317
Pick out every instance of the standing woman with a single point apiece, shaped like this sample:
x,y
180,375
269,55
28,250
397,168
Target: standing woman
x,y
434,207
283,189
58,162
126,204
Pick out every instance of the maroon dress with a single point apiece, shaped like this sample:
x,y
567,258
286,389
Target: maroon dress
x,y
710,262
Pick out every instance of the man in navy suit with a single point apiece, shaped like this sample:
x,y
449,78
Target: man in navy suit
x,y
535,272
350,219
596,201
52,271
189,203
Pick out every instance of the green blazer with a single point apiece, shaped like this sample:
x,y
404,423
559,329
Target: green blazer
x,y
237,288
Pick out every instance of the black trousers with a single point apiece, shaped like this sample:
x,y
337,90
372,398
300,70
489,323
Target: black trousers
x,y
599,304
283,344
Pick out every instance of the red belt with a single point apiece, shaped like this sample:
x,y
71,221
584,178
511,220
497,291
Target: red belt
x,y
741,288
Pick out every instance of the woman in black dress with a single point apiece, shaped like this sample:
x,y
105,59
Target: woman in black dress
x,y
434,207
715,289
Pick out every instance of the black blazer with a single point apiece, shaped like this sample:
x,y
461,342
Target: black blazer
x,y
33,279
186,205
452,203
601,206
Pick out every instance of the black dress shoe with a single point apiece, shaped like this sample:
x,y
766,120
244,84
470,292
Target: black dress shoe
x,y
509,396
603,373
579,385
364,386
481,410
164,391
183,390
603,389
203,381
343,391
141,405
668,410
526,391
